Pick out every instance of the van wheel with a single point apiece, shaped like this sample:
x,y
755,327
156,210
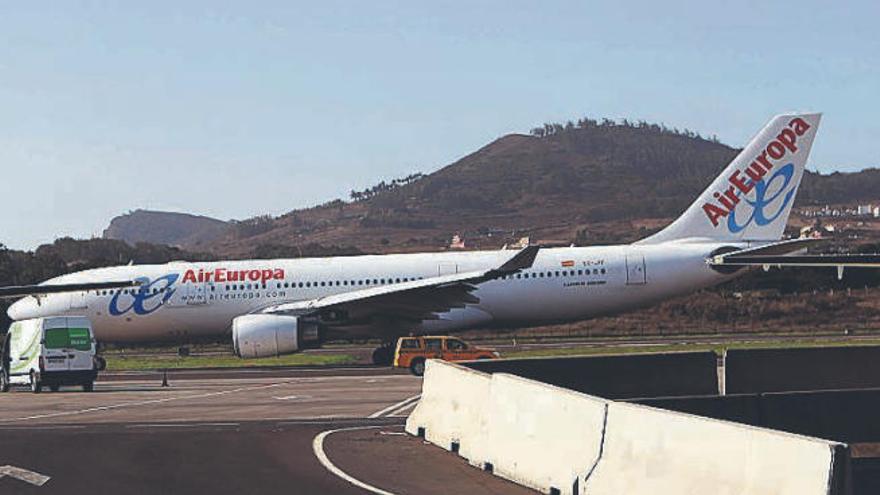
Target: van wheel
x,y
88,386
54,388
36,385
417,367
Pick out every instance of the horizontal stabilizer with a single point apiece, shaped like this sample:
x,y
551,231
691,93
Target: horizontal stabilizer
x,y
836,260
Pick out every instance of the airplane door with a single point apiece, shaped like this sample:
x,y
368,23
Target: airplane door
x,y
447,269
635,270
78,300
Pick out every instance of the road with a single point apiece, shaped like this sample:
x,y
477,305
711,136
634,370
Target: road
x,y
231,432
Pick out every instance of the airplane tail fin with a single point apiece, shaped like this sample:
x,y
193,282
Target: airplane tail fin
x,y
752,198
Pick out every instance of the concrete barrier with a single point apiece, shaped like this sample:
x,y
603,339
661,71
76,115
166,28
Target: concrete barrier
x,y
452,410
560,441
618,377
651,451
542,436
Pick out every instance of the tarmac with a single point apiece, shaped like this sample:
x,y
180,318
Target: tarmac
x,y
320,430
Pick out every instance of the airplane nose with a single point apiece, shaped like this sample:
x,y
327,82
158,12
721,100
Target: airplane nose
x,y
22,309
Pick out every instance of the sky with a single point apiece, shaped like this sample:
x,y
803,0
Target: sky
x,y
236,109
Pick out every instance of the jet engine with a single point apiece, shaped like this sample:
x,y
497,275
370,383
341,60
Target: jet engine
x,y
257,336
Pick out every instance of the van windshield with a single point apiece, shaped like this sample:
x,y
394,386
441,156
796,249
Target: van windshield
x,y
68,338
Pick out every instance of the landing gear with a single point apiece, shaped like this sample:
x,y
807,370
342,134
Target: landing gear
x,y
4,381
384,355
88,386
100,363
36,384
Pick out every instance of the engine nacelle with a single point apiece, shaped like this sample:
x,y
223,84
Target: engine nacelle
x,y
256,336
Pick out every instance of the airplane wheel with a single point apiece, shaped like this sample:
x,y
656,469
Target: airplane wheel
x,y
417,367
36,385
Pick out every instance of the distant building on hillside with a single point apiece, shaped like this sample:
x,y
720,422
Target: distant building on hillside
x,y
521,243
457,242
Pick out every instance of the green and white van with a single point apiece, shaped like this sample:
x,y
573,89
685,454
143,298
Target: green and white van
x,y
49,352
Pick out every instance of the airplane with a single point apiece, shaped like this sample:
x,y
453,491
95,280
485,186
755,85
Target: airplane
x,y
275,307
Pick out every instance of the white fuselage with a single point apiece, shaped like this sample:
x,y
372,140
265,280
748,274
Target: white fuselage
x,y
181,301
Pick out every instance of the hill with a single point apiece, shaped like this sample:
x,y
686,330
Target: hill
x,y
590,182
172,229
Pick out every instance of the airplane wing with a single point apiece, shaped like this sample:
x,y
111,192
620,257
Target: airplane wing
x,y
415,300
13,291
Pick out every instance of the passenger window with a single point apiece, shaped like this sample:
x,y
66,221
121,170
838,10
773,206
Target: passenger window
x,y
455,345
409,344
433,344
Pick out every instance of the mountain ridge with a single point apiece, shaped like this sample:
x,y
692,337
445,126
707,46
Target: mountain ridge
x,y
586,183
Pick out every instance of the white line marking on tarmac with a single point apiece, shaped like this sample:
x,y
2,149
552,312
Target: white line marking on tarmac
x,y
23,474
142,403
179,425
393,407
399,413
48,427
318,448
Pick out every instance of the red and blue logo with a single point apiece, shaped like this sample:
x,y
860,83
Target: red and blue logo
x,y
742,182
147,298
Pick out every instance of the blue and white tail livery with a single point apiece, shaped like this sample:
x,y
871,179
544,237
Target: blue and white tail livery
x,y
753,196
